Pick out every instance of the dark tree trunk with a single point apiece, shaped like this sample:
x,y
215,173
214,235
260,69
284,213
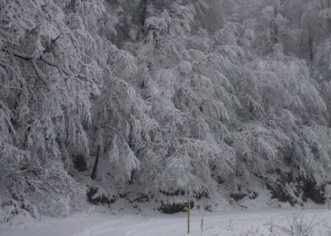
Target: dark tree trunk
x,y
131,177
95,167
142,17
311,48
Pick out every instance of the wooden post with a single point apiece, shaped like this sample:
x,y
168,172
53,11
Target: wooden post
x,y
188,209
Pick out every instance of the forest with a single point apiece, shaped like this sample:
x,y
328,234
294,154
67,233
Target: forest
x,y
137,100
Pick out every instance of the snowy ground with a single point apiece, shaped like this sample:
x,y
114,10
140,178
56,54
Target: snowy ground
x,y
215,224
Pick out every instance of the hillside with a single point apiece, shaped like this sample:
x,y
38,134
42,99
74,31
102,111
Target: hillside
x,y
119,100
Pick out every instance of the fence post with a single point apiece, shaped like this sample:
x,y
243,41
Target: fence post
x,y
188,210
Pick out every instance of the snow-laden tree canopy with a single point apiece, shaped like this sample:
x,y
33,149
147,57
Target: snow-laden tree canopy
x,y
150,97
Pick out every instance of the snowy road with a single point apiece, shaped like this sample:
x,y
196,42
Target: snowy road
x,y
269,223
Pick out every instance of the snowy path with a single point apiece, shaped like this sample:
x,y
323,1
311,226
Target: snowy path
x,y
215,224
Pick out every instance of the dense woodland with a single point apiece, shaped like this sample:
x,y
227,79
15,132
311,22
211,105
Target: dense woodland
x,y
102,100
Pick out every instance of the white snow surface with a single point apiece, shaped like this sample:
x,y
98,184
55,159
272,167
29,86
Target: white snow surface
x,y
268,222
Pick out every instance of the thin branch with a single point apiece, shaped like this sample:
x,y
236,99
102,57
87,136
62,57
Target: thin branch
x,y
55,65
116,131
30,58
27,58
11,87
324,30
18,54
53,41
38,71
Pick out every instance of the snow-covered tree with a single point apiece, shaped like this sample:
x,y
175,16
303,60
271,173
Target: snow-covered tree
x,y
155,96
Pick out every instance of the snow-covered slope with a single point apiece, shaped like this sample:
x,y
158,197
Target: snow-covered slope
x,y
271,223
109,100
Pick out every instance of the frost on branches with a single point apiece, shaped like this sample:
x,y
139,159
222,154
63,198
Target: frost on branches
x,y
98,103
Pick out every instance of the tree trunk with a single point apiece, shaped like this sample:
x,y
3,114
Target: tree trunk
x,y
311,47
95,167
142,17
